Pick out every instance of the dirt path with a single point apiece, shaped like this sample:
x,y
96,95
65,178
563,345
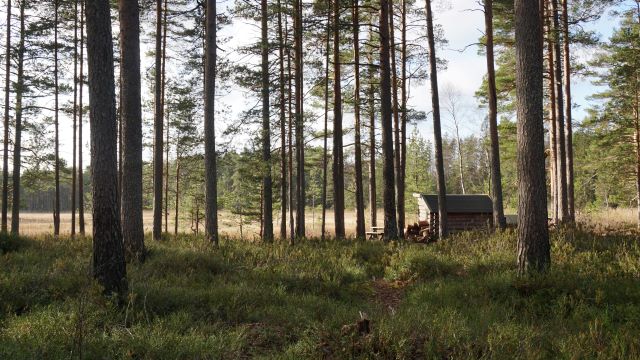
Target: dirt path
x,y
389,294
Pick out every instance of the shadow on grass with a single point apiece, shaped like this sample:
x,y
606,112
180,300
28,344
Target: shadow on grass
x,y
189,300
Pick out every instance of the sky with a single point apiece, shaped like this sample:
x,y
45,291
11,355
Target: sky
x,y
465,70
462,26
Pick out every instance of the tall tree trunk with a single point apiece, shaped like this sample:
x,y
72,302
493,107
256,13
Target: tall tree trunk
x,y
131,191
460,156
56,205
338,158
396,124
326,129
158,129
292,192
299,113
17,144
119,109
559,106
283,133
373,210
637,144
567,112
553,138
74,177
211,186
442,191
5,152
175,221
388,176
267,209
533,235
80,112
163,96
499,221
108,253
403,120
360,231
167,146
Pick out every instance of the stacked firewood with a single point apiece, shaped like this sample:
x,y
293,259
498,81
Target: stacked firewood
x,y
420,232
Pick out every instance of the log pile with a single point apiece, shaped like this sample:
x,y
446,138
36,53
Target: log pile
x,y
420,232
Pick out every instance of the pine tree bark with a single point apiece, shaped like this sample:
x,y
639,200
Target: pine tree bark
x,y
292,190
131,191
567,112
499,221
338,158
165,168
396,124
553,138
56,120
533,235
74,177
108,252
559,109
119,109
163,96
175,221
435,102
283,133
211,186
81,224
388,176
158,129
17,144
326,129
5,152
637,144
373,210
403,120
360,231
299,116
267,209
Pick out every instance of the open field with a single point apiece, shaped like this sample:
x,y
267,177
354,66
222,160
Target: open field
x,y
42,223
456,299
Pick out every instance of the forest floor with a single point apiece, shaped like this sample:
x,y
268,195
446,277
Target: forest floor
x,y
460,298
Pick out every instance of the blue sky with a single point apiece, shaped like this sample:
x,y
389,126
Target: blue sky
x,y
463,75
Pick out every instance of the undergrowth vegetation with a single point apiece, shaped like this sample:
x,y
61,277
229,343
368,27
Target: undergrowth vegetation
x,y
459,298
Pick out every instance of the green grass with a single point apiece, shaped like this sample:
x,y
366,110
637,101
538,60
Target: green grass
x,y
460,298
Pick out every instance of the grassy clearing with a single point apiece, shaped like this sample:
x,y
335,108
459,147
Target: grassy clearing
x,y
459,298
40,224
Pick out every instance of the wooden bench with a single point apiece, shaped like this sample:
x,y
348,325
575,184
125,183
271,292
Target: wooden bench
x,y
377,232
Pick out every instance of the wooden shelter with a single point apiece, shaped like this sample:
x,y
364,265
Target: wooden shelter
x,y
464,212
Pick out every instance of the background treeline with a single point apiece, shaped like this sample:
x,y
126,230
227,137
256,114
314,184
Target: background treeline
x,y
46,38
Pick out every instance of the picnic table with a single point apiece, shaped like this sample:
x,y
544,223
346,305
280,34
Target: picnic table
x,y
377,232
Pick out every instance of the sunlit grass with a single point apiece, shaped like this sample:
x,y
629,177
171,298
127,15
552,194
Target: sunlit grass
x,y
459,298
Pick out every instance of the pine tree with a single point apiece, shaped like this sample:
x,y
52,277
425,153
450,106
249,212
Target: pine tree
x,y
211,187
158,142
338,157
435,103
17,144
108,253
299,118
56,204
267,210
496,177
5,153
131,195
533,235
360,231
388,177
